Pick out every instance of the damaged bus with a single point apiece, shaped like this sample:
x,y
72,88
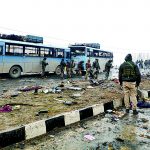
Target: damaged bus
x,y
92,51
22,57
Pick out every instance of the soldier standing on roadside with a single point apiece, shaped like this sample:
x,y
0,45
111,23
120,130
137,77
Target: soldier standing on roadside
x,y
129,78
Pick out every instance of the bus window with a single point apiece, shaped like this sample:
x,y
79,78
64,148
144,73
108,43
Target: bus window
x,y
88,52
31,51
95,53
14,50
1,50
77,51
59,53
44,52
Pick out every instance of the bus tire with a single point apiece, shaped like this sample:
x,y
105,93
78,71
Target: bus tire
x,y
58,70
15,72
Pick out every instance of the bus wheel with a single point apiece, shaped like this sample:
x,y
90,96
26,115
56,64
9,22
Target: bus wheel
x,y
15,72
58,70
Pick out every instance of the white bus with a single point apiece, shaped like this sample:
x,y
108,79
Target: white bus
x,y
18,57
81,52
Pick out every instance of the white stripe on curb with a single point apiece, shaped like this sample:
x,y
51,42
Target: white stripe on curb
x,y
35,129
97,109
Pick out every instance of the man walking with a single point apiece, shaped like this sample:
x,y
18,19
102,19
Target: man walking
x,y
108,65
62,67
44,64
129,78
96,68
72,66
88,69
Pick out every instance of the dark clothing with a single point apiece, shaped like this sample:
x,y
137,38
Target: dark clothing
x,y
129,72
62,67
72,65
96,68
44,64
68,69
81,68
88,69
108,65
96,65
129,77
88,65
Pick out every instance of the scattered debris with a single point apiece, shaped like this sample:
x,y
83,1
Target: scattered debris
x,y
119,114
143,104
114,118
119,139
16,107
89,137
5,108
109,111
30,88
90,87
66,102
74,88
14,94
43,111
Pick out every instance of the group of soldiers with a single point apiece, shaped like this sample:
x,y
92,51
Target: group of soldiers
x,y
92,70
68,68
143,64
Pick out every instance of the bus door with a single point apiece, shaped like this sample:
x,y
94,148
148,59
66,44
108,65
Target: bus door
x,y
50,55
1,57
32,61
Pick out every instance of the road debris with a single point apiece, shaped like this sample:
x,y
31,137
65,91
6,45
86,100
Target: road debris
x,y
30,88
89,137
5,109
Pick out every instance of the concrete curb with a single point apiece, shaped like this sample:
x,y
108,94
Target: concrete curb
x,y
32,130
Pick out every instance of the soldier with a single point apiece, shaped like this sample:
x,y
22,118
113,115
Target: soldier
x,y
62,67
129,78
108,65
96,68
44,64
72,65
68,69
88,69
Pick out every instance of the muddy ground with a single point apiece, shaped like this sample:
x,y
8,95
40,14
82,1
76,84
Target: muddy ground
x,y
28,107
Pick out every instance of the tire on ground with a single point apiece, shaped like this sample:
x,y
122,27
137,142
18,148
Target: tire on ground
x,y
58,70
15,72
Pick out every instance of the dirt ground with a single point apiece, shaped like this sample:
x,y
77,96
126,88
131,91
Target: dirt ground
x,y
28,107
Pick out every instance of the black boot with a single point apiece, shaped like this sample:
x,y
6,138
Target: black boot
x,y
135,112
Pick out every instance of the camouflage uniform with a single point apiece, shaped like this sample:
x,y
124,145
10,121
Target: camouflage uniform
x,y
130,78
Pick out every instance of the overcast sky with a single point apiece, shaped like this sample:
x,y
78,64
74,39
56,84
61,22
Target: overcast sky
x,y
118,25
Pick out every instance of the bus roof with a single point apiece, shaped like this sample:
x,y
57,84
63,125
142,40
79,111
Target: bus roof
x,y
90,48
31,44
